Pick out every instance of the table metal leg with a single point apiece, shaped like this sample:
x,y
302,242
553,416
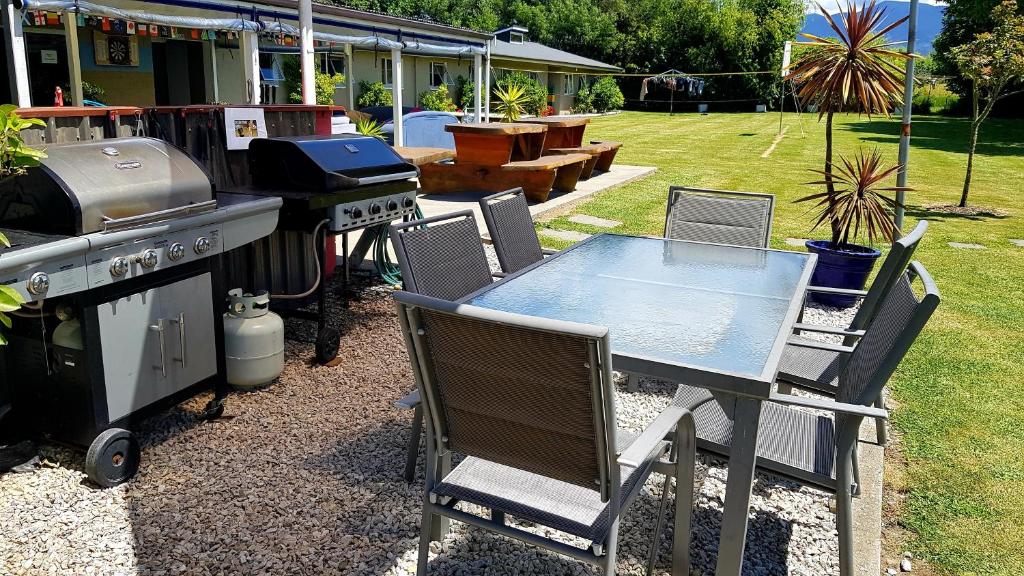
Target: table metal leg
x,y
742,459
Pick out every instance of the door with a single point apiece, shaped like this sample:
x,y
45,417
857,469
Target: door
x,y
156,343
48,67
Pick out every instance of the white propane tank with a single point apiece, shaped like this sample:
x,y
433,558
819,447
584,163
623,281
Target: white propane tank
x,y
253,340
68,334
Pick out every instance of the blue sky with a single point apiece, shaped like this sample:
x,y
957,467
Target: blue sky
x,y
833,5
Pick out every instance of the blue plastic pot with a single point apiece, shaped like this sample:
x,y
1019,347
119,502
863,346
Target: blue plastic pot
x,y
840,266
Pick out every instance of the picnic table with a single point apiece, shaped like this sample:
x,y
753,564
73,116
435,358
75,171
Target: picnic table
x,y
565,136
706,315
497,156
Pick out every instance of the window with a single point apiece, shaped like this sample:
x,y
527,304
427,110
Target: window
x,y
386,71
438,74
334,64
570,85
515,37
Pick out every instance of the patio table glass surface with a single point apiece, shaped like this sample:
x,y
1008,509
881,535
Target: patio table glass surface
x,y
712,307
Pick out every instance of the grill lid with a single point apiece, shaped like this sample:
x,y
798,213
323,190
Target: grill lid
x,y
86,187
325,163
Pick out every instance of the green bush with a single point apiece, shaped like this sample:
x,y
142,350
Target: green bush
x,y
536,95
465,91
607,95
324,85
584,101
437,99
373,94
93,92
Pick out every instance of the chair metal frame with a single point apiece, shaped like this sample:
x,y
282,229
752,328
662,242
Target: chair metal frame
x,y
674,422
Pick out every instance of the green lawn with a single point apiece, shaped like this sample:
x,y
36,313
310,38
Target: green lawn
x,y
961,390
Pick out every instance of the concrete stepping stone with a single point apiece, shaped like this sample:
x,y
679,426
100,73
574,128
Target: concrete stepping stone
x,y
568,235
799,242
594,221
966,246
1017,242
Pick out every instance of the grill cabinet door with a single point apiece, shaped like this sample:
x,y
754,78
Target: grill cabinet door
x,y
141,365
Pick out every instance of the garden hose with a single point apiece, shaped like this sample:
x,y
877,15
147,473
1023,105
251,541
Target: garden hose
x,y
386,269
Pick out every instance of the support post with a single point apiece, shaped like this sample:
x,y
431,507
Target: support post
x,y
17,58
213,71
350,80
251,66
908,105
74,58
478,85
306,51
487,85
396,95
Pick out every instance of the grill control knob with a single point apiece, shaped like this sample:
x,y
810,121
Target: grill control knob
x,y
38,283
374,209
149,258
392,205
119,266
408,202
202,245
355,213
176,252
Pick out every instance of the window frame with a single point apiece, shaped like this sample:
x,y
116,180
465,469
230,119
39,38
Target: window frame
x,y
512,35
570,86
387,71
443,76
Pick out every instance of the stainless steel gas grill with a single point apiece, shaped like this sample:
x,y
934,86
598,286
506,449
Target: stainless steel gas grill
x,y
330,185
116,246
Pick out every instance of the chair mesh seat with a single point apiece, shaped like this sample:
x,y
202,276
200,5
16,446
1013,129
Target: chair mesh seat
x,y
559,505
811,368
790,442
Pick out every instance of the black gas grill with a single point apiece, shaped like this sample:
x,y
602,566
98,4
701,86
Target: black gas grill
x,y
331,185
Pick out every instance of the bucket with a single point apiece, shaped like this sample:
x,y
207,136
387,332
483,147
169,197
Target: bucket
x,y
848,268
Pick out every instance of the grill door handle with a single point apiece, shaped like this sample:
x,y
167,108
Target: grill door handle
x,y
180,321
386,178
159,329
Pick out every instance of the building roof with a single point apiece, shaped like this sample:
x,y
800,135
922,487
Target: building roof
x,y
322,8
536,52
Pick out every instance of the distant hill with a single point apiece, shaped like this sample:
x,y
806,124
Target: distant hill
x,y
929,23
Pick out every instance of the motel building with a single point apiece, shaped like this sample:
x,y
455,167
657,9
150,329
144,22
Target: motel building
x,y
185,52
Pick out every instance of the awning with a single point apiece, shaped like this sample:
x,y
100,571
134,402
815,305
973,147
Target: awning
x,y
378,43
90,9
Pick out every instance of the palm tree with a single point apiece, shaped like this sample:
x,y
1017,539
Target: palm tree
x,y
857,70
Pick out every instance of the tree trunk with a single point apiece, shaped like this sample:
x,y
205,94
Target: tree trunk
x,y
829,186
975,126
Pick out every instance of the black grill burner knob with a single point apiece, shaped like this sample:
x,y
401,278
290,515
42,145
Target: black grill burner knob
x,y
392,205
355,213
408,202
374,209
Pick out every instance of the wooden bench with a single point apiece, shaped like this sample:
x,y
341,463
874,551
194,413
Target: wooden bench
x,y
604,164
536,177
418,156
594,151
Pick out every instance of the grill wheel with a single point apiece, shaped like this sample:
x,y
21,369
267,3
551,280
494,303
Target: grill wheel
x,y
113,458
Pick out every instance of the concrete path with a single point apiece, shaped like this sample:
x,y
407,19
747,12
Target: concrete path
x,y
867,508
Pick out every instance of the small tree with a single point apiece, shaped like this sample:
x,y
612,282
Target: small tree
x,y
993,62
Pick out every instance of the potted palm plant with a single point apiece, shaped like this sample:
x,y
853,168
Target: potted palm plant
x,y
853,205
860,71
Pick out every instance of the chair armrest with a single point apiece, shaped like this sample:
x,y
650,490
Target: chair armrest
x,y
828,329
409,401
820,345
845,291
548,251
636,453
830,405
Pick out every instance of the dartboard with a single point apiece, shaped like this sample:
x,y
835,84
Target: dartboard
x,y
118,50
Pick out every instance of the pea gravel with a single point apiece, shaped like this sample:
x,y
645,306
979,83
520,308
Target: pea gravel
x,y
304,477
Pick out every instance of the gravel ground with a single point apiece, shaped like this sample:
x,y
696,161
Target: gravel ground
x,y
304,477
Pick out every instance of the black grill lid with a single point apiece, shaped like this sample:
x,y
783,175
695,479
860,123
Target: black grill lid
x,y
325,163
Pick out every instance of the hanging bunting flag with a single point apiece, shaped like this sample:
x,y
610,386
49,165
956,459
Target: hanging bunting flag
x,y
143,30
204,35
80,20
154,30
195,34
52,19
106,24
130,27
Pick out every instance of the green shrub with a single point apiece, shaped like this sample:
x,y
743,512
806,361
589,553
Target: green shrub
x,y
465,92
584,101
93,92
607,95
373,94
324,85
437,99
536,99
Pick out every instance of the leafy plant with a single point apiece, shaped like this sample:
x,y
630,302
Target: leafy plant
x,y
854,205
324,85
465,91
370,127
93,92
15,158
511,101
373,94
437,99
607,95
993,61
536,96
584,101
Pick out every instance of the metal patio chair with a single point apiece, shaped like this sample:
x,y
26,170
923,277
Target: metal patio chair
x,y
818,370
510,226
821,450
719,216
441,257
529,403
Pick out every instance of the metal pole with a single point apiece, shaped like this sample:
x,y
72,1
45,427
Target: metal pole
x,y
908,104
350,79
17,59
396,95
306,51
214,72
486,104
478,87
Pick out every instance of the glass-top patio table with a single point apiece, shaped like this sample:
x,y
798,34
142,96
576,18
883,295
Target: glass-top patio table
x,y
701,314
